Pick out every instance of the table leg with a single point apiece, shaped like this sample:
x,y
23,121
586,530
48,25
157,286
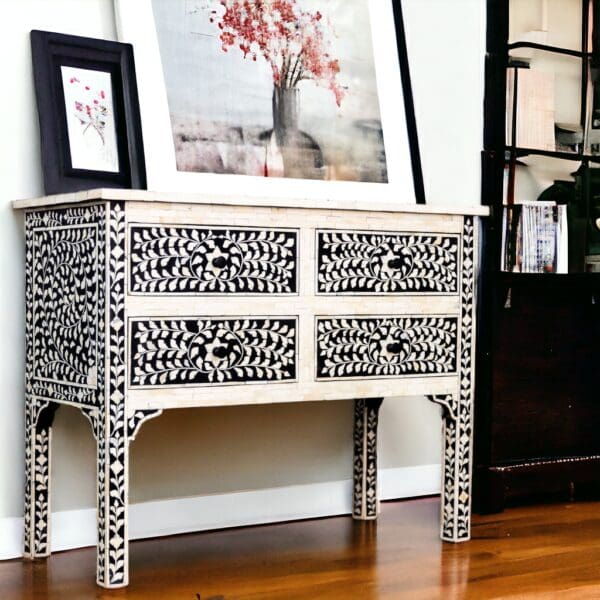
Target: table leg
x,y
113,480
456,468
113,444
458,409
365,500
38,432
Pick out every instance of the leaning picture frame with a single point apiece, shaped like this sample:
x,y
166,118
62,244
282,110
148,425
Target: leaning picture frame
x,y
285,99
88,109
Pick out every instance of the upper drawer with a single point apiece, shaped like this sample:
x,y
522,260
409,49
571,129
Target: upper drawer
x,y
374,262
198,260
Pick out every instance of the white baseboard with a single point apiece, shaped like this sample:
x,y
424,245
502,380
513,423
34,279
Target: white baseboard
x,y
77,528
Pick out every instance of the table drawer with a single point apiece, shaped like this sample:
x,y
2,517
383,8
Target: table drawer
x,y
203,260
385,346
365,263
212,351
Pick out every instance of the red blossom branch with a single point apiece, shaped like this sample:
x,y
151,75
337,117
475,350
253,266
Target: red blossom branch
x,y
296,43
90,110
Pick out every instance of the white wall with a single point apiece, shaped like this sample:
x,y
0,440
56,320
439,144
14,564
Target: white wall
x,y
218,451
20,177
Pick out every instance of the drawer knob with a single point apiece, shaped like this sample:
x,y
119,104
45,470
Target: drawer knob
x,y
395,263
394,348
219,262
221,351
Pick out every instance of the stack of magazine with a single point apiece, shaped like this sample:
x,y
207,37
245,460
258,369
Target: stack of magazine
x,y
535,238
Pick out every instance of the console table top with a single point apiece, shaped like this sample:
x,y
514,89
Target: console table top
x,y
245,200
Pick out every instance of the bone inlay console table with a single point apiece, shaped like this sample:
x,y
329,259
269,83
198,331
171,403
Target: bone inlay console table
x,y
137,302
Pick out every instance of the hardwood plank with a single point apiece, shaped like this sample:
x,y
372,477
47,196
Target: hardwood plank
x,y
527,552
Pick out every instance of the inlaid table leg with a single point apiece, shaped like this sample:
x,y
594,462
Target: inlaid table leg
x,y
113,480
456,469
365,501
458,409
38,432
113,443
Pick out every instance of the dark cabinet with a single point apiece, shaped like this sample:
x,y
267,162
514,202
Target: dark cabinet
x,y
540,413
537,411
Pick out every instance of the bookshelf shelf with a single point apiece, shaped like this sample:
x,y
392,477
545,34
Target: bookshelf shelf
x,y
537,413
574,156
547,48
550,280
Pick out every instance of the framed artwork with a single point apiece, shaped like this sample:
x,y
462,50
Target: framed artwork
x,y
90,127
279,98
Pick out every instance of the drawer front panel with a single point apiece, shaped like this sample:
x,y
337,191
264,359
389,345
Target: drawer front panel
x,y
385,346
212,351
365,263
207,260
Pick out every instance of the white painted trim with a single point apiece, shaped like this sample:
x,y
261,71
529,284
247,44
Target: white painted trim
x,y
408,482
11,537
77,528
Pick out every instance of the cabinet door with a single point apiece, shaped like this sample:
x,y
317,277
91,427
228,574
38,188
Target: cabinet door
x,y
546,351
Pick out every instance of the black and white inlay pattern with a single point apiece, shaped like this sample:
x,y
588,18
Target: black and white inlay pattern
x,y
66,249
351,262
37,481
208,260
364,494
212,350
385,346
458,412
64,339
138,418
112,568
461,524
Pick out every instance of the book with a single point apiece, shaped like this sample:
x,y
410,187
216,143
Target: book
x,y
535,238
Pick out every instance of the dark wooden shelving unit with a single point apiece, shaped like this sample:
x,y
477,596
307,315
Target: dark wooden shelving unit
x,y
537,398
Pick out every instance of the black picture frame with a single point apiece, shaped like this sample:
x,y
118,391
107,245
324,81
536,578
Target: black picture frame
x,y
51,51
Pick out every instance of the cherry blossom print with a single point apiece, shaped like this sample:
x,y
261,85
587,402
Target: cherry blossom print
x,y
296,43
90,119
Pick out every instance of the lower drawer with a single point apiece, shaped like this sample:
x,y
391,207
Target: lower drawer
x,y
385,346
212,351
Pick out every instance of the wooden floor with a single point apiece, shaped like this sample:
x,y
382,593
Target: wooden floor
x,y
548,551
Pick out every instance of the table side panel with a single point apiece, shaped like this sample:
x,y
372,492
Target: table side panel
x,y
66,300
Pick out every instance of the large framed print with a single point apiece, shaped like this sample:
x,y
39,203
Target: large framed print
x,y
90,129
278,98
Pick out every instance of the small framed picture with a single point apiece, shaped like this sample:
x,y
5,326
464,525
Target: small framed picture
x,y
89,115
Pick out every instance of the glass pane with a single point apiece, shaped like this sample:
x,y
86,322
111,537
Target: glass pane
x,y
551,22
547,95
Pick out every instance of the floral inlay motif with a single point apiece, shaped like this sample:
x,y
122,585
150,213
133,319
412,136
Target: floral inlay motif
x,y
212,350
207,260
386,346
379,263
